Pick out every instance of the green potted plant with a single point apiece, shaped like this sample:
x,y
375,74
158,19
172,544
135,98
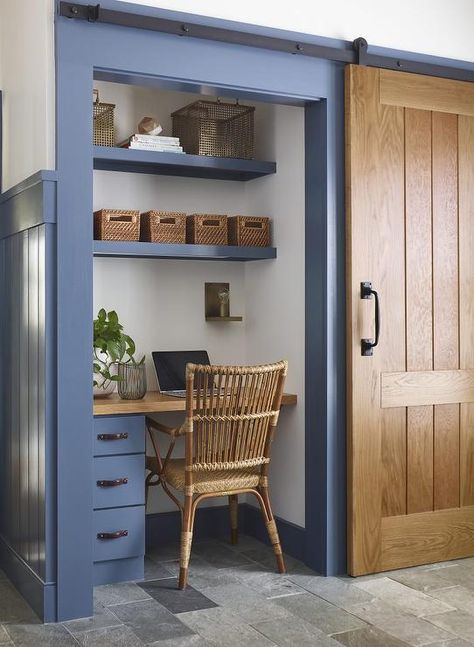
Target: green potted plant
x,y
111,347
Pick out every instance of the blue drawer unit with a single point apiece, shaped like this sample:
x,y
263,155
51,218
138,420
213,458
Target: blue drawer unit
x,y
119,481
119,533
119,435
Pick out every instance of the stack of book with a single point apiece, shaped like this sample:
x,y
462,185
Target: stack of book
x,y
157,143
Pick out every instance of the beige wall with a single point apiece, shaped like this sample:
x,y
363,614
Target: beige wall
x,y
27,83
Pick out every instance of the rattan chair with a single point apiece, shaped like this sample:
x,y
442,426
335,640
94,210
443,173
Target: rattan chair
x,y
231,416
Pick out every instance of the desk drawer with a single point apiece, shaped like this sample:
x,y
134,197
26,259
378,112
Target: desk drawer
x,y
126,527
119,481
119,435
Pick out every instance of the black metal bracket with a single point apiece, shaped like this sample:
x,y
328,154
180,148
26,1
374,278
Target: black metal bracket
x,y
357,53
361,46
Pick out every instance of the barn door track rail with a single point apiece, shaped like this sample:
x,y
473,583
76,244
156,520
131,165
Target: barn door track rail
x,y
356,52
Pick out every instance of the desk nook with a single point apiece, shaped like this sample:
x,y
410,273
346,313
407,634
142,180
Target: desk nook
x,y
162,291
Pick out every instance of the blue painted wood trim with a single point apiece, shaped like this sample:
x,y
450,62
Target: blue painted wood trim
x,y
1,141
28,204
74,332
178,164
325,428
81,52
190,252
164,528
41,595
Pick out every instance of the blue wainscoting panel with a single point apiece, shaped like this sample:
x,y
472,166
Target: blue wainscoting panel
x,y
27,396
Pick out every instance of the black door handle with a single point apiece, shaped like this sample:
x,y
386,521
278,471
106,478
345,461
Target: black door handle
x,y
368,345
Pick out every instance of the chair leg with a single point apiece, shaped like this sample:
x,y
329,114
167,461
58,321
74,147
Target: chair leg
x,y
272,531
234,518
186,541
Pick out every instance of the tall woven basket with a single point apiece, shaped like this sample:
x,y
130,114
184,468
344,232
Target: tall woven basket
x,y
216,128
103,114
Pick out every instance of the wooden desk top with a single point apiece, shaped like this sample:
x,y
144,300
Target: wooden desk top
x,y
153,402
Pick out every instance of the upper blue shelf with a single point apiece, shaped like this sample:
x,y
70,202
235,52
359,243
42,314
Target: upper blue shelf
x,y
183,165
123,249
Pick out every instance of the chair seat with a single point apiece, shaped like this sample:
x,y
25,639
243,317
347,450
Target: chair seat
x,y
207,482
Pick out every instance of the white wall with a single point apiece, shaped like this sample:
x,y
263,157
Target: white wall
x,y
438,27
27,82
161,302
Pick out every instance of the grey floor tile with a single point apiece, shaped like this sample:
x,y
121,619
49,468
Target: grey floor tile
x,y
186,641
110,637
320,613
368,637
2,575
459,623
268,584
167,593
264,556
407,599
245,602
392,620
224,628
456,596
4,637
457,642
110,594
101,619
13,607
53,635
218,555
424,581
150,621
332,589
294,631
156,570
457,574
202,574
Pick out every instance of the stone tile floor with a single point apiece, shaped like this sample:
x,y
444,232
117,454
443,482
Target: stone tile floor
x,y
235,598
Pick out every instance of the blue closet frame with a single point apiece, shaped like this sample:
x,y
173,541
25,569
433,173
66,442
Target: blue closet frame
x,y
85,52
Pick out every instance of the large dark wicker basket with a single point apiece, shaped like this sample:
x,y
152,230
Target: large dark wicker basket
x,y
215,128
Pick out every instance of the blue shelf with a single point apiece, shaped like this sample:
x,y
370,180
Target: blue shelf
x,y
183,165
121,249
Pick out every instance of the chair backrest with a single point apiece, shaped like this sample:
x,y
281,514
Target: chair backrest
x,y
231,413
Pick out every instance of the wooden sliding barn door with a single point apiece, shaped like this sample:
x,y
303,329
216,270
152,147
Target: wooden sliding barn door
x,y
410,237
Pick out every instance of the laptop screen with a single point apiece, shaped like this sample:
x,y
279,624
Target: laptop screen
x,y
170,367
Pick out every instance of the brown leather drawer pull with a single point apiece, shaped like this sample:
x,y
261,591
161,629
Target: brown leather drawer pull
x,y
121,436
112,483
112,535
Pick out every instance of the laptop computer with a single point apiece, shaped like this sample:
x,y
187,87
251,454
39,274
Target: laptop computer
x,y
170,367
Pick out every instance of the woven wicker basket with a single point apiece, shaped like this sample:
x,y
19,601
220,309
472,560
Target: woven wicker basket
x,y
249,231
215,128
116,224
163,227
103,122
206,229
